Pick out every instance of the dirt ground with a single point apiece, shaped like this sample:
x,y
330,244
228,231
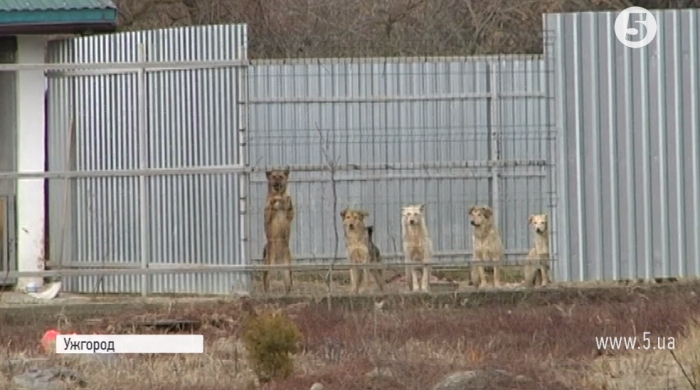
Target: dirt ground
x,y
391,342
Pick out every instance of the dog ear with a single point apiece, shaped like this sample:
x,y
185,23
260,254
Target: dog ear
x,y
488,212
546,217
471,209
342,213
529,220
286,172
267,174
421,207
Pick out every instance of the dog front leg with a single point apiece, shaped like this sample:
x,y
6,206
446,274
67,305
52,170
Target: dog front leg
x,y
409,273
483,282
528,275
415,279
545,273
497,276
474,276
425,282
354,280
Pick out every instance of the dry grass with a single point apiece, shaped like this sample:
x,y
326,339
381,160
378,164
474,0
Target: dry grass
x,y
413,347
662,369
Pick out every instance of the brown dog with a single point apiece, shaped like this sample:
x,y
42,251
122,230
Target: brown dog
x,y
487,244
536,270
359,246
279,214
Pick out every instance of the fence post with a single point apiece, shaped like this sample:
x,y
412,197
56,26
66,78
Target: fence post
x,y
494,112
243,177
143,163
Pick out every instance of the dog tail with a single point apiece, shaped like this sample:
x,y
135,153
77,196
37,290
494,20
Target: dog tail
x,y
370,229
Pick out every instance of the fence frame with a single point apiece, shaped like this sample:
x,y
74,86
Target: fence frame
x,y
494,98
141,68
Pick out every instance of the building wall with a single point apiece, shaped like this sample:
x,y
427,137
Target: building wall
x,y
31,134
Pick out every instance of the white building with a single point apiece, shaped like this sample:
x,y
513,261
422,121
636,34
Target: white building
x,y
25,30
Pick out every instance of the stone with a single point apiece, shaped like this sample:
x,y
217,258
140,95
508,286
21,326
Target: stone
x,y
480,380
317,386
380,372
55,378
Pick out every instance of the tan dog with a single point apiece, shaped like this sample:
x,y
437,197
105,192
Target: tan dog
x,y
417,246
487,244
279,214
358,244
536,270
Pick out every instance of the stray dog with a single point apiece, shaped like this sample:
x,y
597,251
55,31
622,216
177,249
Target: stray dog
x,y
375,257
361,250
487,244
417,247
536,270
279,214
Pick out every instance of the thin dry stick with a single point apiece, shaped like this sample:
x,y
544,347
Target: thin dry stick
x,y
685,374
332,162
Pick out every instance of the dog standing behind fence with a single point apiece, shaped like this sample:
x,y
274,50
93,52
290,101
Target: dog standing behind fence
x,y
536,270
487,245
417,247
279,214
359,248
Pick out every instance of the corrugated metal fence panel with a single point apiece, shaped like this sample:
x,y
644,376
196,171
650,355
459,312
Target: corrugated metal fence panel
x,y
192,120
8,130
388,131
630,162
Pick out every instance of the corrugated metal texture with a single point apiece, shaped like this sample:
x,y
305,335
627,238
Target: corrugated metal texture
x,y
414,118
8,131
191,120
630,161
52,5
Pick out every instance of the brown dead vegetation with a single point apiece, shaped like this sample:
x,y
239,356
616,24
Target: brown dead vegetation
x,y
366,28
553,344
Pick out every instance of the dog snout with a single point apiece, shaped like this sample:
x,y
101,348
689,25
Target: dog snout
x,y
473,223
351,226
276,186
411,222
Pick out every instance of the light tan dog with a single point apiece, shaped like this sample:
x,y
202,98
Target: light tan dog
x,y
359,247
536,270
279,214
487,244
417,247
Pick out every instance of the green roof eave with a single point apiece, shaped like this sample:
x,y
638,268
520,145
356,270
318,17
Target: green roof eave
x,y
59,17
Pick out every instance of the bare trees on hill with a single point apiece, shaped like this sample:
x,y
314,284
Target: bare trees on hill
x,y
365,28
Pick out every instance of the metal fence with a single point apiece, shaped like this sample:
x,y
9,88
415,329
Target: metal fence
x,y
382,133
132,188
178,116
630,177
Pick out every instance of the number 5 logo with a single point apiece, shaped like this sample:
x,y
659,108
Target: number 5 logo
x,y
623,28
